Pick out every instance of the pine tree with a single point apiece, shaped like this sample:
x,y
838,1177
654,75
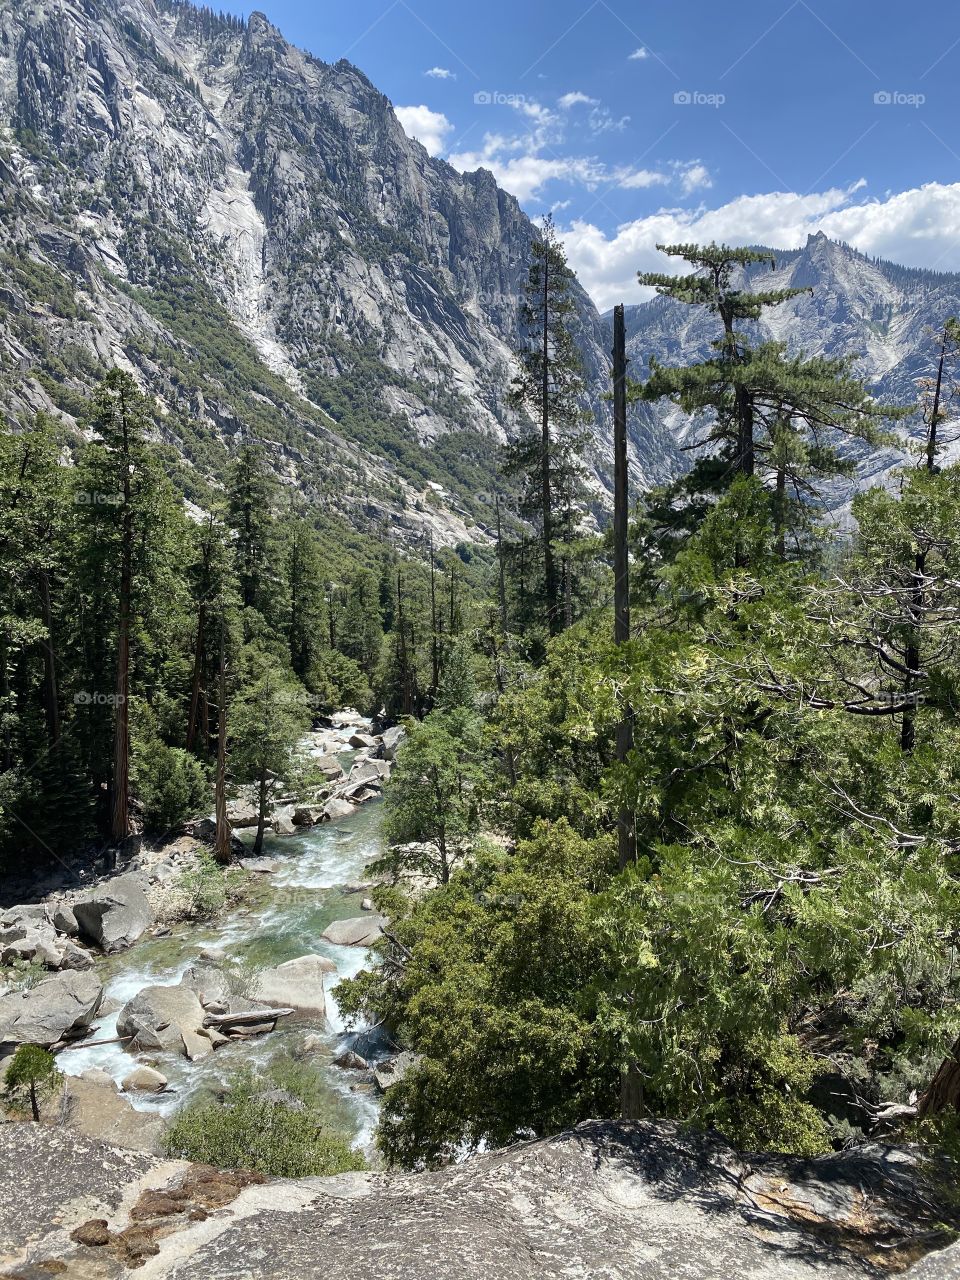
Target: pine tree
x,y
250,494
548,390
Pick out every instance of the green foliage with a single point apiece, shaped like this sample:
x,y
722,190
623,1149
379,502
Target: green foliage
x,y
32,1076
337,681
206,887
249,1131
171,785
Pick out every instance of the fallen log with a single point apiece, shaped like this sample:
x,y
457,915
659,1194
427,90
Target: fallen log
x,y
247,1016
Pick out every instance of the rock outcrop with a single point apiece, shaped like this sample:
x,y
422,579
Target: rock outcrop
x,y
161,1018
59,1008
295,984
634,1201
359,931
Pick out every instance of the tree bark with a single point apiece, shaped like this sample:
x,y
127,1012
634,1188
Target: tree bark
x,y
943,1092
261,812
223,851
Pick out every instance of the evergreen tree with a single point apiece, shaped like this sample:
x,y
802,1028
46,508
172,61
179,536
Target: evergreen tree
x,y
250,495
549,391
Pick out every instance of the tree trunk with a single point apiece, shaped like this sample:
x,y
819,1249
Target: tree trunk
x,y
549,569
261,812
943,1092
434,622
120,826
222,850
501,577
196,683
621,560
780,513
51,699
34,1102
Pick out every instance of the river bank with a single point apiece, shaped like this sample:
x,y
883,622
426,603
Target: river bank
x,y
305,882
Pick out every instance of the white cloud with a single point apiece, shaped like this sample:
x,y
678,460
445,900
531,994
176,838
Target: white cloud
x,y
428,127
574,99
440,73
639,54
919,227
693,176
637,179
601,121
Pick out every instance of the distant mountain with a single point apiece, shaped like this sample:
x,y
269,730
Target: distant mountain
x,y
252,232
882,316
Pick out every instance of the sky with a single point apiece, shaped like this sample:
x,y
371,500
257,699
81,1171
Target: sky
x,y
642,121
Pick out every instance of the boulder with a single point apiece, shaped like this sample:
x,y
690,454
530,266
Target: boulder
x,y
40,944
260,866
312,1044
59,1008
390,742
114,916
74,957
282,821
64,920
337,808
296,984
329,766
156,1018
144,1080
360,931
350,1061
370,771
241,813
209,984
361,741
195,1046
307,815
213,955
366,904
387,1074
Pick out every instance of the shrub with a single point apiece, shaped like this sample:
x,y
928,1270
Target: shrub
x,y
251,1131
206,886
171,784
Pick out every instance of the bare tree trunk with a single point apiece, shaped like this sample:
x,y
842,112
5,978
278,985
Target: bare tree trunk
x,y
196,683
51,699
501,577
223,851
621,559
120,827
546,497
780,513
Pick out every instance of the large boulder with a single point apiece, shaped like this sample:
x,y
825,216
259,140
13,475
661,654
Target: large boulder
x,y
375,771
391,741
209,983
242,813
337,808
391,1072
329,766
115,915
96,1108
362,741
59,1008
158,1017
360,931
295,984
144,1079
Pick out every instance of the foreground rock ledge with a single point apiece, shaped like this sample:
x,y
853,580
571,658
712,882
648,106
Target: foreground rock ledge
x,y
604,1200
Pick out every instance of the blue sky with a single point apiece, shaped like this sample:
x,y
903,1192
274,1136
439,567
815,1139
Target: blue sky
x,y
636,122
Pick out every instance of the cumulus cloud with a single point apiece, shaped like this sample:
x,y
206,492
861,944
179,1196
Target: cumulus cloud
x,y
574,99
428,127
440,73
639,54
693,176
919,227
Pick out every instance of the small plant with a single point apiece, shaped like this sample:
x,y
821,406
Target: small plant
x,y
206,888
32,1076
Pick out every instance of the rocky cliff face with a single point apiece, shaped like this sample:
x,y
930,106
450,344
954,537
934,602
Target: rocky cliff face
x,y
626,1201
251,230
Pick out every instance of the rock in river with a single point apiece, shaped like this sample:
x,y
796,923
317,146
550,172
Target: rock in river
x,y
296,984
361,931
158,1018
114,915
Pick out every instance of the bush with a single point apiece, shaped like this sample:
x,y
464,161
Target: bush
x,y
171,785
251,1131
206,887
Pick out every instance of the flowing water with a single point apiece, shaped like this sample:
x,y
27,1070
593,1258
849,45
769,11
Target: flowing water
x,y
283,919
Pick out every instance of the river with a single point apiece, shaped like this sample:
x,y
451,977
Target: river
x,y
283,918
